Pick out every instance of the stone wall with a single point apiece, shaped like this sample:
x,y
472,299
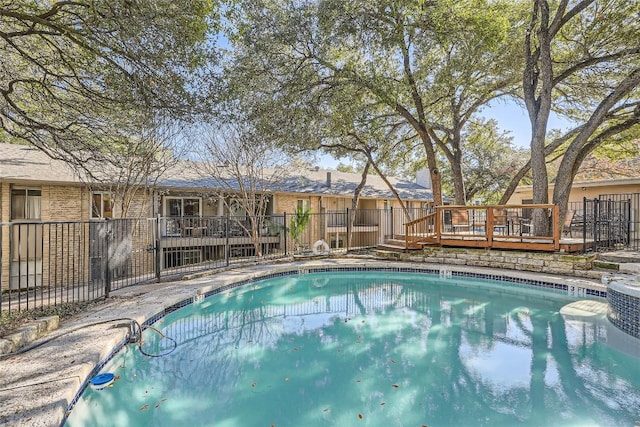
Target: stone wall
x,y
550,263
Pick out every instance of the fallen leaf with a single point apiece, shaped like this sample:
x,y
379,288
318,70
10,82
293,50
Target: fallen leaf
x,y
393,361
360,416
382,403
395,385
144,408
325,410
164,399
286,378
157,405
253,384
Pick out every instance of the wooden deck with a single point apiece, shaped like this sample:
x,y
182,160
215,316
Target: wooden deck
x,y
491,227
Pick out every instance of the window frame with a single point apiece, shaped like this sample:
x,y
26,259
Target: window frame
x,y
26,208
101,207
305,204
165,204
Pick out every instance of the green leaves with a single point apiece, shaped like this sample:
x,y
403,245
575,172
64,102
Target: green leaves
x,y
299,223
79,77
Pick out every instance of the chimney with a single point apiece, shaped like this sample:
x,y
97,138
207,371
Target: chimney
x,y
423,178
329,179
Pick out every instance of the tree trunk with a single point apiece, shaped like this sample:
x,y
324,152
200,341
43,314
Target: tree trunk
x,y
460,197
538,85
436,182
386,181
354,201
255,236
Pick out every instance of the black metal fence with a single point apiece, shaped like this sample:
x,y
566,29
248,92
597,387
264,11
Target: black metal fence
x,y
606,223
51,263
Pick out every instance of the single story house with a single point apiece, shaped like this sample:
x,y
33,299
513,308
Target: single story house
x,y
36,190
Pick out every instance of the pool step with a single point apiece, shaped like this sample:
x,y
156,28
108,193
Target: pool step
x,y
623,262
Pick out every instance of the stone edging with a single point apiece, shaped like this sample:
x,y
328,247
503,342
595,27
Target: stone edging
x,y
27,334
543,262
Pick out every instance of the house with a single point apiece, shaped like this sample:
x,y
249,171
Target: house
x,y
609,200
45,207
592,189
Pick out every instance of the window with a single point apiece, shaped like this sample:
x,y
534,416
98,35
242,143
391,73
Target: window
x,y
181,206
304,204
101,205
25,203
236,208
338,241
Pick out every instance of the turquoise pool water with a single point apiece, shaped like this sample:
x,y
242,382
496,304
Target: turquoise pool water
x,y
374,349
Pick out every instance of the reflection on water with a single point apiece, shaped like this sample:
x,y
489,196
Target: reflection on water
x,y
375,349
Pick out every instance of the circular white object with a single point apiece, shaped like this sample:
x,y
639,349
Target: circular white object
x,y
102,381
317,245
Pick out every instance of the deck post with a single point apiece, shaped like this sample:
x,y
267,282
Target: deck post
x,y
406,237
489,212
555,215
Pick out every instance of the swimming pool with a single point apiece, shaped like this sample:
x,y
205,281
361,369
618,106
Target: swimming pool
x,y
371,348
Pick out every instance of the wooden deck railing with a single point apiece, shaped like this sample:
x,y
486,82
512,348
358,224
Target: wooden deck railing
x,y
421,230
495,226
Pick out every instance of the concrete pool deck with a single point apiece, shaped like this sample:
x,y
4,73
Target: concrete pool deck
x,y
37,386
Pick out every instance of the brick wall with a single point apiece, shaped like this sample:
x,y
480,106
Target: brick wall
x,y
64,203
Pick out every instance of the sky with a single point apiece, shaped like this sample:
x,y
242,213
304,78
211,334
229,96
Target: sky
x,y
510,116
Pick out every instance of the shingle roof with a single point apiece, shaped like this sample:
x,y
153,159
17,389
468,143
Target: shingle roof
x,y
23,163
305,181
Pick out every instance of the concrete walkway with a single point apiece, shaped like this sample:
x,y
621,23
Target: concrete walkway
x,y
37,386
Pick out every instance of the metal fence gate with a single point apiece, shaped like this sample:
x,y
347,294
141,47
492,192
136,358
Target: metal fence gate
x,y
632,202
609,222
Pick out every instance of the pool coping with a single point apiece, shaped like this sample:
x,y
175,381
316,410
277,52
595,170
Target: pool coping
x,y
37,389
